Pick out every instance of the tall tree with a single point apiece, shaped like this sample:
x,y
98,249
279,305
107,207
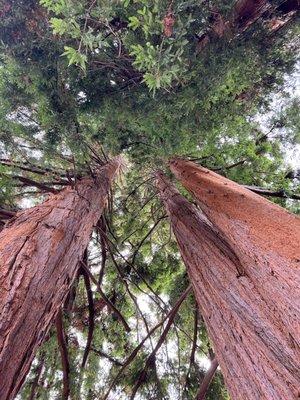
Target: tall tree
x,y
245,277
40,251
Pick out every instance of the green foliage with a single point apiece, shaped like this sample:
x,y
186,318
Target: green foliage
x,y
146,19
57,6
163,60
74,57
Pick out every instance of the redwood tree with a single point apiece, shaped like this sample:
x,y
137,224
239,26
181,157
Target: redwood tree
x,y
40,253
244,267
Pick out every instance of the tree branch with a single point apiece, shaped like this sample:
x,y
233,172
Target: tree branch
x,y
29,167
136,188
89,293
6,214
131,295
279,193
64,355
105,355
207,380
151,358
156,296
194,347
102,228
236,164
109,304
145,238
170,314
30,182
131,265
35,382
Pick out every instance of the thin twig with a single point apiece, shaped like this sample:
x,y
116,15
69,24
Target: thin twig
x,y
6,214
107,356
31,182
146,236
236,164
193,351
156,296
35,383
131,295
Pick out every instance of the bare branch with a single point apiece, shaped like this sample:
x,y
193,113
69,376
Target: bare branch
x,y
270,193
151,358
30,182
89,293
6,214
131,265
236,164
131,295
64,355
207,380
35,382
145,238
102,227
194,347
170,314
107,356
109,304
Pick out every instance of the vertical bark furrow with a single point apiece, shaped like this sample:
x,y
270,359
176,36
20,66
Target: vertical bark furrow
x,y
251,340
40,251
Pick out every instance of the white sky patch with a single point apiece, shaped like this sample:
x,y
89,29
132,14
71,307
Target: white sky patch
x,y
81,97
278,102
22,115
292,156
125,252
26,203
204,362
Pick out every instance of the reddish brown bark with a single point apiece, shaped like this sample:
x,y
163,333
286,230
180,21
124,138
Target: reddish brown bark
x,y
246,281
40,253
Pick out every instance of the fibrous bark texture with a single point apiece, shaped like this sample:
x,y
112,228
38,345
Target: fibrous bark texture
x,y
244,267
40,252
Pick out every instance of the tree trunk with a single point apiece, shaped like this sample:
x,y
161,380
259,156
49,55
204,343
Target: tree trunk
x,y
247,289
40,250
